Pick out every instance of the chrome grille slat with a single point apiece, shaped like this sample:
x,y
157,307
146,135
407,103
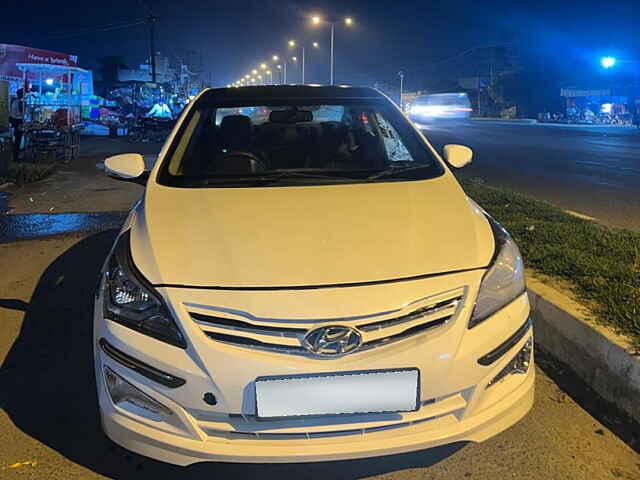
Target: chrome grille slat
x,y
240,326
429,311
282,338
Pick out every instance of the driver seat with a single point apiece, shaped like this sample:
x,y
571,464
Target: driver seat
x,y
236,135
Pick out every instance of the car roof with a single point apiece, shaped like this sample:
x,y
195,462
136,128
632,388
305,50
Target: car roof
x,y
278,92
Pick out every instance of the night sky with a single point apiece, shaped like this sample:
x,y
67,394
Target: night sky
x,y
564,38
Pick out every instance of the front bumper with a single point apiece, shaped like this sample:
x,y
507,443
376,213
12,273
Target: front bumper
x,y
456,404
178,450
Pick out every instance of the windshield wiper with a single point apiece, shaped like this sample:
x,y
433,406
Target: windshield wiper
x,y
396,169
259,180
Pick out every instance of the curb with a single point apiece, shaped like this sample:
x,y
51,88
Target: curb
x,y
5,185
601,358
527,121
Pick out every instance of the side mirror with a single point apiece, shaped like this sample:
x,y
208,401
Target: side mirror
x,y
458,155
127,167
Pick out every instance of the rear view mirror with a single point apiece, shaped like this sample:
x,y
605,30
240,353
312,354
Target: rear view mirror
x,y
128,166
458,155
290,116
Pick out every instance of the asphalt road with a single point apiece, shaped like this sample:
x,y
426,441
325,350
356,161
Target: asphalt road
x,y
49,424
593,171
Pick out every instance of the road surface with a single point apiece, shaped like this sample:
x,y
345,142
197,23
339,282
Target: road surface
x,y
49,424
593,171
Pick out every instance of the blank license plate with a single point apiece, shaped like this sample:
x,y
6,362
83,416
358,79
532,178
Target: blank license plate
x,y
371,391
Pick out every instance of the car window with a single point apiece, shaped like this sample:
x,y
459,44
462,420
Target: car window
x,y
333,141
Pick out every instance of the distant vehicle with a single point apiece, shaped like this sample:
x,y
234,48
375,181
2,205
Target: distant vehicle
x,y
440,106
305,280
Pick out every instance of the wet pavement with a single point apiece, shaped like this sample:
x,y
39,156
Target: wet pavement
x,y
38,225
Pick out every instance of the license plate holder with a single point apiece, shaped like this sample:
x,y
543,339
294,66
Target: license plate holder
x,y
338,393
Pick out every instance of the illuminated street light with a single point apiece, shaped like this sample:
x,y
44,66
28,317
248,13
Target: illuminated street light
x,y
295,59
247,77
263,66
275,58
316,20
607,62
254,71
292,43
316,45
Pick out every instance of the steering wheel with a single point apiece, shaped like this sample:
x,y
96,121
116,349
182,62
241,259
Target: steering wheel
x,y
228,160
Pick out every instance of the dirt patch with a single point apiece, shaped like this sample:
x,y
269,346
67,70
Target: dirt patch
x,y
80,186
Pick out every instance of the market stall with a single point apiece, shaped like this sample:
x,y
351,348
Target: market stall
x,y
53,109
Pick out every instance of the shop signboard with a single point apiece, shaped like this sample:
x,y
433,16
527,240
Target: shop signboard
x,y
11,55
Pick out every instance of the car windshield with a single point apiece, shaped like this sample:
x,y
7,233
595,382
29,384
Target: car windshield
x,y
294,143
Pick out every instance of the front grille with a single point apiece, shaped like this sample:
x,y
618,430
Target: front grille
x,y
286,336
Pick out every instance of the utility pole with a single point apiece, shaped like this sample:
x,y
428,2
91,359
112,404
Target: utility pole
x,y
152,19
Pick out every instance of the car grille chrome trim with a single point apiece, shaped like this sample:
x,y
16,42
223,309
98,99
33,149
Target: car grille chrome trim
x,y
434,311
240,326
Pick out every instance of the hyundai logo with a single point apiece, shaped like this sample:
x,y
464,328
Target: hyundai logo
x,y
332,340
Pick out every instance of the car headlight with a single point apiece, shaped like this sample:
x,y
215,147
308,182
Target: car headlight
x,y
130,300
504,281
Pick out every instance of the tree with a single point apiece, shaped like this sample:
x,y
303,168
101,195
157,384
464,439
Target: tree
x,y
109,67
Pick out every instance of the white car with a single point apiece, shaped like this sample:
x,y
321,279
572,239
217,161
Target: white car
x,y
306,284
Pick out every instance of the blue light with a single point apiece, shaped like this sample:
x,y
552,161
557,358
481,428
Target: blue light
x,y
608,62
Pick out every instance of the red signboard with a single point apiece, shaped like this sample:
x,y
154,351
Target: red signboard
x,y
10,55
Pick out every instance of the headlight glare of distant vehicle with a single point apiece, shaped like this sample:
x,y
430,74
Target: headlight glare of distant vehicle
x,y
122,392
504,281
129,300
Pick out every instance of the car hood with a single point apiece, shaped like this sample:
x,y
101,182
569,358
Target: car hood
x,y
307,235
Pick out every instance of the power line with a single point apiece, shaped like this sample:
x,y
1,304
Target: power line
x,y
98,29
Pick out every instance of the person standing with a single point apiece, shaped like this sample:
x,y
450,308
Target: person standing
x,y
16,119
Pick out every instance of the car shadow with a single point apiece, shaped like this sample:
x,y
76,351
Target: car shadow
x,y
48,386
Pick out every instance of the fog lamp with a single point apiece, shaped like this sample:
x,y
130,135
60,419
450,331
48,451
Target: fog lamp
x,y
519,365
123,393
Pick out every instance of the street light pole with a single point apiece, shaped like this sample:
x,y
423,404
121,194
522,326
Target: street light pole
x,y
302,65
401,73
332,32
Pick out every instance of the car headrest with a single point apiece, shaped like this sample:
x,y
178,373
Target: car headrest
x,y
236,131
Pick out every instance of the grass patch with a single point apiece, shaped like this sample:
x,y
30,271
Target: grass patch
x,y
23,172
601,264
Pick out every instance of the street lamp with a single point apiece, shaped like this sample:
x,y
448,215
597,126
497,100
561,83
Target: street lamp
x,y
254,71
263,66
317,20
608,62
275,58
293,43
